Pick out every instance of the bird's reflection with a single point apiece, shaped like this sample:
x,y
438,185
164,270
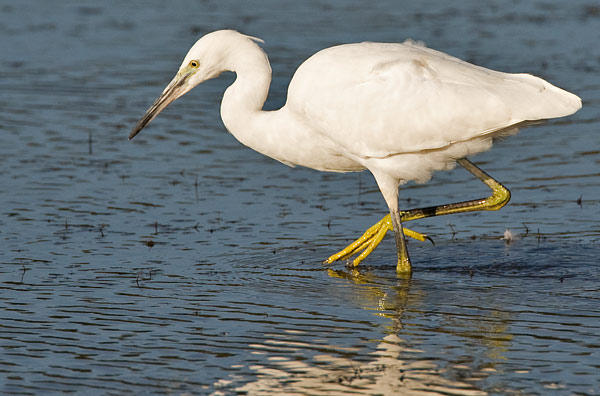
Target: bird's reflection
x,y
377,294
396,366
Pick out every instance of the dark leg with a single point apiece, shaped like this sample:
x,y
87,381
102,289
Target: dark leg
x,y
403,265
499,198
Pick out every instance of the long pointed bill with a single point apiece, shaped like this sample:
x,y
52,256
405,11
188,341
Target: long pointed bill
x,y
175,89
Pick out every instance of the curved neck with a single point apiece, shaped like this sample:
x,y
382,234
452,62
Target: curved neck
x,y
278,134
251,86
241,107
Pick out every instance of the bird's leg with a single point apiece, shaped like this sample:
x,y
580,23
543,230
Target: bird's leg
x,y
500,197
374,235
403,266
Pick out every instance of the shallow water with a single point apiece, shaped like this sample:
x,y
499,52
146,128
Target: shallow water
x,y
185,263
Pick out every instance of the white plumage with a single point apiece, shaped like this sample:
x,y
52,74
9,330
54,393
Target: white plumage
x,y
400,99
402,111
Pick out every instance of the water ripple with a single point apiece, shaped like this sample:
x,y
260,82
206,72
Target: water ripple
x,y
184,263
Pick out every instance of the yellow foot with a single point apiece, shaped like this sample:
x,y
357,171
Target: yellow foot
x,y
369,241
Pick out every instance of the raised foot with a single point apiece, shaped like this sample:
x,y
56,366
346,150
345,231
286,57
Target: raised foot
x,y
370,240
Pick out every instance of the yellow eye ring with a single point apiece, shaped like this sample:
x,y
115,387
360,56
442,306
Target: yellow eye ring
x,y
194,63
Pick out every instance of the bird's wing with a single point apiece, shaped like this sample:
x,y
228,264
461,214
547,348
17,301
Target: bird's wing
x,y
377,100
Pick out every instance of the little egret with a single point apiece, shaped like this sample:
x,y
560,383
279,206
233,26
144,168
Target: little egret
x,y
402,111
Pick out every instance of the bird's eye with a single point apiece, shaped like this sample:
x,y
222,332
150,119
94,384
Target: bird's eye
x,y
194,63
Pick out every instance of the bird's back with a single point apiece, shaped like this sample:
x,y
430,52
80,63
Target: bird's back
x,y
377,100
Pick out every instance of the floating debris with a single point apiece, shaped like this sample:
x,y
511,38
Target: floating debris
x,y
509,237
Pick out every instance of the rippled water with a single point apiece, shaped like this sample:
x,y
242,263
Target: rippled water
x,y
185,263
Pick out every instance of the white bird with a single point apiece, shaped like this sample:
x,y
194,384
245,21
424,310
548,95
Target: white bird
x,y
402,111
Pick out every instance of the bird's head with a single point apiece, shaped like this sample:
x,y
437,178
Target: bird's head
x,y
207,59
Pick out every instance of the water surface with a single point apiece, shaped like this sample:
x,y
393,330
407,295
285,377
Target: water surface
x,y
185,263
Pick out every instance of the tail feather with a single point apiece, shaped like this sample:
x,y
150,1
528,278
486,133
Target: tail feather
x,y
545,101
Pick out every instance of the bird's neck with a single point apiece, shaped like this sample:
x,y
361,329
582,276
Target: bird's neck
x,y
249,91
241,107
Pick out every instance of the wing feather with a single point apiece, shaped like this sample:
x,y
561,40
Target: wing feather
x,y
378,100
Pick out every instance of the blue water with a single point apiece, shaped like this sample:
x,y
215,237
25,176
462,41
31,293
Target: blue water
x,y
185,263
